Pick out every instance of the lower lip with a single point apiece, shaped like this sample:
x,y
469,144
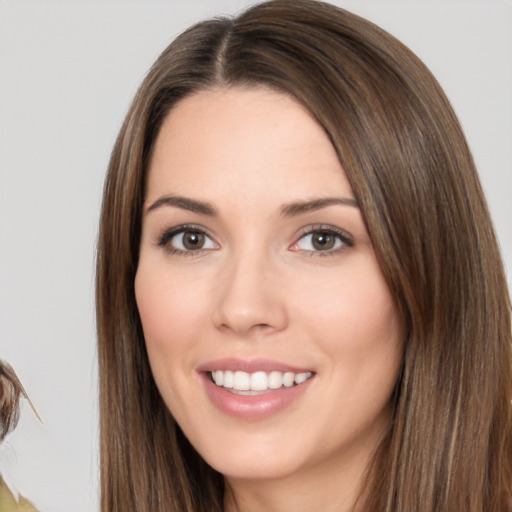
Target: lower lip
x,y
253,407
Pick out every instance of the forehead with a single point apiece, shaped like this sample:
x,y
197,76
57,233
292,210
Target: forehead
x,y
248,142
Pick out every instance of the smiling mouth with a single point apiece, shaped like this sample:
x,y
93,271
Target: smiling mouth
x,y
256,383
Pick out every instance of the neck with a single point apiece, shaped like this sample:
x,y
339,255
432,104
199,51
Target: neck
x,y
330,488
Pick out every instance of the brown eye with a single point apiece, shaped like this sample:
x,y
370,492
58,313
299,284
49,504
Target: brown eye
x,y
323,241
192,240
186,240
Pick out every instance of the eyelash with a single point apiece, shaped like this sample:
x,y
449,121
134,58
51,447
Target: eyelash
x,y
342,236
165,238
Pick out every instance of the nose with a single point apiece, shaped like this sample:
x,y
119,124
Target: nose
x,y
250,298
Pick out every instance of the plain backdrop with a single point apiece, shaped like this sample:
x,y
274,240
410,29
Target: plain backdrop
x,y
68,71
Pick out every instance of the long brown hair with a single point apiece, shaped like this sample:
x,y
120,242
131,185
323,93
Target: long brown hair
x,y
448,448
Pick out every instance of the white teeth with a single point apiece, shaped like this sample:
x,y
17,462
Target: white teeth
x,y
302,377
218,378
288,379
275,380
228,379
258,381
242,381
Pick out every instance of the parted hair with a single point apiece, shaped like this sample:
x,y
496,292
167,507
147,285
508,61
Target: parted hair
x,y
448,446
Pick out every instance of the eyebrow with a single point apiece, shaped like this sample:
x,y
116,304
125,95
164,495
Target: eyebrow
x,y
185,203
301,207
287,210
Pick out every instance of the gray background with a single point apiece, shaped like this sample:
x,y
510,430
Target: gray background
x,y
68,71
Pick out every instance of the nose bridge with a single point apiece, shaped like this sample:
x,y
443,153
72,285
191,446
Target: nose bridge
x,y
248,295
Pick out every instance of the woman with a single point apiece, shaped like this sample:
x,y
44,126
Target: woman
x,y
300,298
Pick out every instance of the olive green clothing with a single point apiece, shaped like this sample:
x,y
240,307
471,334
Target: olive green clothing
x,y
9,504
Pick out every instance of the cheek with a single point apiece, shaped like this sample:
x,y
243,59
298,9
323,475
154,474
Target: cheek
x,y
353,318
172,315
168,308
348,299
171,320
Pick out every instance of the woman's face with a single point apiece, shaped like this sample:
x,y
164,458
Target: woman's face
x,y
256,271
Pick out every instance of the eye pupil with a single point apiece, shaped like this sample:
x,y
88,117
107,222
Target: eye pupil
x,y
193,240
323,241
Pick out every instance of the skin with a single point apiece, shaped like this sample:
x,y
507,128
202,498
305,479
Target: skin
x,y
259,288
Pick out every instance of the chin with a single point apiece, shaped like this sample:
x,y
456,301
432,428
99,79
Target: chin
x,y
253,468
246,457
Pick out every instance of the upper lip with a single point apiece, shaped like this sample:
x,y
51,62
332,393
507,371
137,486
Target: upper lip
x,y
250,366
